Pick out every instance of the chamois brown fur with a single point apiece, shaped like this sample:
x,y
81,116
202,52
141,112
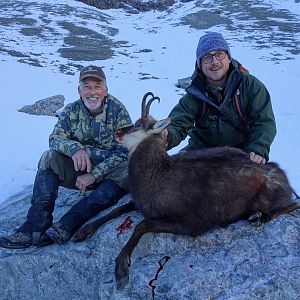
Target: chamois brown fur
x,y
192,192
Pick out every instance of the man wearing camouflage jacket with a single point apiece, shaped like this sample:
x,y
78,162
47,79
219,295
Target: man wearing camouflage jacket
x,y
84,155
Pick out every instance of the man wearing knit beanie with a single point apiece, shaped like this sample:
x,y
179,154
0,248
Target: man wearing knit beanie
x,y
224,105
213,57
212,41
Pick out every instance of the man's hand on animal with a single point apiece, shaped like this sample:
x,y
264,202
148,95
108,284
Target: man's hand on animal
x,y
257,158
82,161
83,181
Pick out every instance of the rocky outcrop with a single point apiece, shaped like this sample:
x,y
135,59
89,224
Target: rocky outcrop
x,y
47,107
133,6
183,83
237,262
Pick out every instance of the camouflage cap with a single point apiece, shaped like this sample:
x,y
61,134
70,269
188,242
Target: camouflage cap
x,y
92,71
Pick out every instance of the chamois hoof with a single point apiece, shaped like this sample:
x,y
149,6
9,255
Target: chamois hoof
x,y
121,272
255,219
121,282
83,233
255,216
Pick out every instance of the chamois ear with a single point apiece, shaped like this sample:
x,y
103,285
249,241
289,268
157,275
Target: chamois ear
x,y
159,126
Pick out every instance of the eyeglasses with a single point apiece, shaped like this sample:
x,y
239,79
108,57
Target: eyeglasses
x,y
208,58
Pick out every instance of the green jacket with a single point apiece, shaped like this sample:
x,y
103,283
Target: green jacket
x,y
78,129
221,125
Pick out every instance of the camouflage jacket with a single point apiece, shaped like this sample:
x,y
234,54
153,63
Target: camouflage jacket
x,y
78,129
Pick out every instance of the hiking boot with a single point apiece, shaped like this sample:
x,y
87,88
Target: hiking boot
x,y
58,233
20,240
17,240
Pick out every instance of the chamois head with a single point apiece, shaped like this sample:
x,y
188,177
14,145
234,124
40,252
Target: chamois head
x,y
145,126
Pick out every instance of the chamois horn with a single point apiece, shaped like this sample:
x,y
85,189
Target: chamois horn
x,y
146,107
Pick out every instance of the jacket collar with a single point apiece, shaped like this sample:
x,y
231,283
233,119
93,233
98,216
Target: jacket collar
x,y
198,86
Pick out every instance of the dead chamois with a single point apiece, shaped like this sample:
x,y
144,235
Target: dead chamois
x,y
190,193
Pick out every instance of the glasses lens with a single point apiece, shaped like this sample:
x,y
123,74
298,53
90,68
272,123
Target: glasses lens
x,y
207,59
220,55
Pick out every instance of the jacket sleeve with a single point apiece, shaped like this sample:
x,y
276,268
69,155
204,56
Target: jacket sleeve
x,y
183,117
262,126
61,137
112,160
118,153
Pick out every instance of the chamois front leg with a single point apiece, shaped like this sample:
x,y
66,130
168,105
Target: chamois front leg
x,y
255,218
123,260
260,217
89,229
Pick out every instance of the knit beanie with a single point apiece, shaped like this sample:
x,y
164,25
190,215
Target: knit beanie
x,y
211,42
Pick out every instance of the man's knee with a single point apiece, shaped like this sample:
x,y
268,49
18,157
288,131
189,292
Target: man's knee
x,y
107,193
60,164
48,159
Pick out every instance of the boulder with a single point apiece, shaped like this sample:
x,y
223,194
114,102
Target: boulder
x,y
237,262
183,83
47,107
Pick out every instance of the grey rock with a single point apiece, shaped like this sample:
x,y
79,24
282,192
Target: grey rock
x,y
131,6
47,107
183,83
237,262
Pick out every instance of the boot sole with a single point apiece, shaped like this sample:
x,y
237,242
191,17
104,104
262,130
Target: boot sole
x,y
10,245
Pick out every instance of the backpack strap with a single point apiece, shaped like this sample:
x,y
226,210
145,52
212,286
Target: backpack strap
x,y
202,111
238,105
240,109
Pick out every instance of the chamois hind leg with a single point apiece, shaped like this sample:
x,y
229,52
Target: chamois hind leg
x,y
123,260
89,229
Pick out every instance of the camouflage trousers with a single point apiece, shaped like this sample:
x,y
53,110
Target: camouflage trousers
x,y
63,166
